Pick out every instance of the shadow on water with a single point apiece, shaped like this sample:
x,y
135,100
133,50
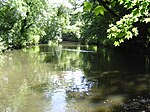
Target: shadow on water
x,y
74,78
124,75
111,77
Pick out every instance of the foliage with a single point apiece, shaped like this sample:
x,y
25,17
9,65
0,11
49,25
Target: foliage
x,y
87,6
99,9
126,25
72,31
20,20
124,28
96,20
94,29
55,23
25,23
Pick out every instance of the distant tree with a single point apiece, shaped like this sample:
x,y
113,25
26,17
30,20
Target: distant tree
x,y
28,22
22,22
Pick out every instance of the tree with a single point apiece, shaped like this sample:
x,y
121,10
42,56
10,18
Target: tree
x,y
56,23
127,25
130,24
94,28
96,24
21,22
25,23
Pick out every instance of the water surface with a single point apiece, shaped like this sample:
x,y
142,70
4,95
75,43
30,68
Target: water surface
x,y
74,78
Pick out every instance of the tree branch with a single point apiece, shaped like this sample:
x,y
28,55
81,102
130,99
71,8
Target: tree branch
x,y
29,25
6,28
24,23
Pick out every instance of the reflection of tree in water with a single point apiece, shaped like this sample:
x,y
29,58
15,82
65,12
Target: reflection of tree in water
x,y
104,81
63,60
2,58
120,78
52,53
20,71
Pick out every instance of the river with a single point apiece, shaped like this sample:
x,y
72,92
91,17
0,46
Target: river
x,y
74,78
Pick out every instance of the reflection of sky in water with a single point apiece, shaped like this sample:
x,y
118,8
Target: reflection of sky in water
x,y
58,103
79,81
72,80
75,76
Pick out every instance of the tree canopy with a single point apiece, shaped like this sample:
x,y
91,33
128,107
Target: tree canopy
x,y
101,22
133,22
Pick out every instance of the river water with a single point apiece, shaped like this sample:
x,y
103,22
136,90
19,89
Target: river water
x,y
74,78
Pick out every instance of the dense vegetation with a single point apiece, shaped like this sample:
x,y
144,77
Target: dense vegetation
x,y
128,20
103,22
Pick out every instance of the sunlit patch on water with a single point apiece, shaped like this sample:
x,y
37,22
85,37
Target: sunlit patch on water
x,y
75,94
74,86
58,101
79,83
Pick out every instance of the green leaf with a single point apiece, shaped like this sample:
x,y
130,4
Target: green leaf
x,y
99,10
135,12
87,6
113,3
135,31
121,40
121,1
116,43
147,20
96,10
128,35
